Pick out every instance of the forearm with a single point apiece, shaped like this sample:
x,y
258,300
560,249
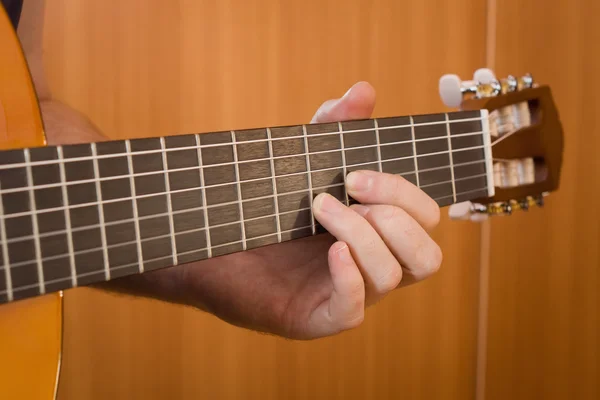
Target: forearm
x,y
64,125
31,36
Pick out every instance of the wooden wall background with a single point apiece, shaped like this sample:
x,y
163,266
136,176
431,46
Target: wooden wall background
x,y
543,309
140,68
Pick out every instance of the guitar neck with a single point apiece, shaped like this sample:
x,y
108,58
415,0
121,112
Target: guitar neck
x,y
75,215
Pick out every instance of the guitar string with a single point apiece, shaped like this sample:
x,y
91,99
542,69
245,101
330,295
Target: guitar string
x,y
206,146
247,200
235,163
115,200
291,138
242,221
119,267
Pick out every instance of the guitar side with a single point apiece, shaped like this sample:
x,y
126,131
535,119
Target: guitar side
x,y
30,330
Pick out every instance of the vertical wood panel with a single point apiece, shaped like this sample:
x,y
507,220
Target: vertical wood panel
x,y
543,315
143,68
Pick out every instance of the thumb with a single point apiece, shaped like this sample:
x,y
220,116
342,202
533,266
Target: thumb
x,y
357,103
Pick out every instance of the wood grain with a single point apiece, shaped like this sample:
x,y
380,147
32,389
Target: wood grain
x,y
445,159
30,331
141,68
543,305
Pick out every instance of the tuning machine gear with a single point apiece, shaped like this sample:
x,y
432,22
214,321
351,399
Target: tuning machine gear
x,y
453,91
508,207
526,82
479,212
513,84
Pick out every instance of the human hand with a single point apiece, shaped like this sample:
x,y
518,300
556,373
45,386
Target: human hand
x,y
306,288
383,243
320,286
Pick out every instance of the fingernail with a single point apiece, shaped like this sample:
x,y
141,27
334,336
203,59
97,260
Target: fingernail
x,y
362,210
347,93
359,181
343,253
327,203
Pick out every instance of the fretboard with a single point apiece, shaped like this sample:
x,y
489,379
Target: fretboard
x,y
75,215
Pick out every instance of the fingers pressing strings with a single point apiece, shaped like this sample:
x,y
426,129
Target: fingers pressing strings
x,y
379,267
369,187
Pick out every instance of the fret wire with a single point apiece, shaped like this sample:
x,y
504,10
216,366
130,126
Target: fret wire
x,y
274,182
69,232
201,166
26,287
450,155
16,215
414,146
114,155
117,245
169,202
239,190
220,184
134,204
487,145
308,171
459,194
123,244
7,275
205,208
343,159
34,219
379,164
156,259
100,212
140,174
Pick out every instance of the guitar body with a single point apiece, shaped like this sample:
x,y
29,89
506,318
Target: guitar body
x,y
30,330
30,344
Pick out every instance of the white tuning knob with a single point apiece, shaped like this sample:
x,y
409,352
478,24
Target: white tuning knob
x,y
451,91
466,211
484,75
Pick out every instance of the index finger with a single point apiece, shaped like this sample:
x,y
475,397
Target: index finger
x,y
371,187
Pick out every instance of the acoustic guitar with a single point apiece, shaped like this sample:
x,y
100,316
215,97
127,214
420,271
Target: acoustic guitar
x,y
75,215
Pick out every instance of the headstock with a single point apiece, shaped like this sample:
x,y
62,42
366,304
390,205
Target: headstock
x,y
526,136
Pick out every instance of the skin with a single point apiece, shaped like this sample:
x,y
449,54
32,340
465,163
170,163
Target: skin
x,y
304,289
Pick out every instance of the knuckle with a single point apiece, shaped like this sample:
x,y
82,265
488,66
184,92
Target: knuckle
x,y
390,280
435,215
390,216
433,261
354,321
431,214
356,292
397,183
367,242
391,213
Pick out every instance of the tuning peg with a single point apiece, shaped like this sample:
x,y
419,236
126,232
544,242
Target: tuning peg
x,y
484,75
526,82
453,91
510,84
468,211
475,212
